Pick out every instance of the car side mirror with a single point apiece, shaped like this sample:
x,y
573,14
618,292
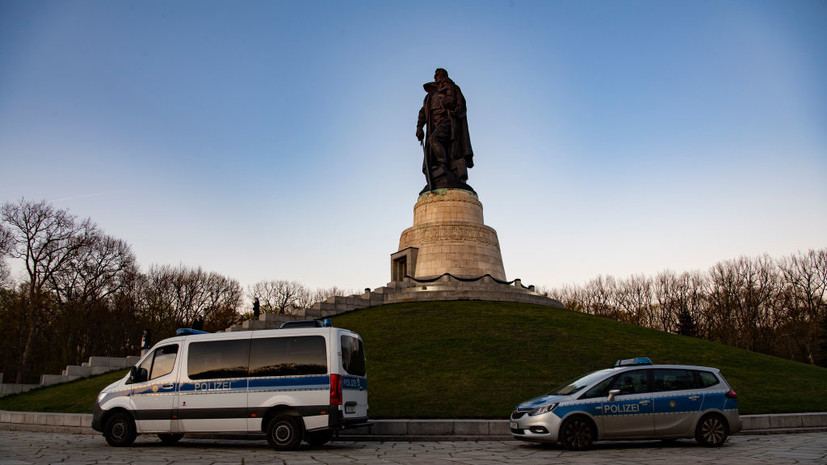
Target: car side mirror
x,y
613,393
133,374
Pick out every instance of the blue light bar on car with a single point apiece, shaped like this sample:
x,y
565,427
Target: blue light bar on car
x,y
633,361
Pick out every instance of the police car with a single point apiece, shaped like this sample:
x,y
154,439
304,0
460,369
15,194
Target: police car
x,y
633,400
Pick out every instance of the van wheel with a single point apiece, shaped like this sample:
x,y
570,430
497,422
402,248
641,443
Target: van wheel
x,y
170,439
119,430
712,431
318,438
283,433
577,433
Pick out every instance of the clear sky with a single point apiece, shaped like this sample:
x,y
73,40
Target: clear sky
x,y
269,140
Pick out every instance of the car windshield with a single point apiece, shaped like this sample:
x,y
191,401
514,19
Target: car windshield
x,y
577,384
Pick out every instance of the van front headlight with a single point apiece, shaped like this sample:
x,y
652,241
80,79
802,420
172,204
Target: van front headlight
x,y
101,396
542,409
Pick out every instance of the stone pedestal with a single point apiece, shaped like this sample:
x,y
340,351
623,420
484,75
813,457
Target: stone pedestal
x,y
448,236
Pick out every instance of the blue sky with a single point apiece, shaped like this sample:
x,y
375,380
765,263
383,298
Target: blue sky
x,y
275,140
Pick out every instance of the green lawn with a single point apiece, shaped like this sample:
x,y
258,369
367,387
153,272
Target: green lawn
x,y
479,359
75,397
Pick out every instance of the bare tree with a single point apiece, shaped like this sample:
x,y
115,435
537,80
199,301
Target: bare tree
x,y
47,240
278,296
804,281
5,248
178,295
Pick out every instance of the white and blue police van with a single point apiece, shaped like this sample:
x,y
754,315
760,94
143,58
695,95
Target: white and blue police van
x,y
635,399
292,384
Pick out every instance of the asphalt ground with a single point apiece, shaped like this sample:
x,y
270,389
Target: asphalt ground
x,y
26,447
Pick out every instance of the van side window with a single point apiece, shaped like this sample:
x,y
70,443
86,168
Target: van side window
x,y
353,356
158,364
288,356
218,359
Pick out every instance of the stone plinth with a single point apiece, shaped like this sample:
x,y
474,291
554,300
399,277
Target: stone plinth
x,y
448,236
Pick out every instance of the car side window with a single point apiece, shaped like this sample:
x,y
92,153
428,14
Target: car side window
x,y
707,379
600,390
674,380
631,382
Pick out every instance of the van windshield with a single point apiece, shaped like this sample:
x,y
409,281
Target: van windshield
x,y
353,356
577,384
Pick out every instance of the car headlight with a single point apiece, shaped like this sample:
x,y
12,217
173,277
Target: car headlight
x,y
101,396
542,409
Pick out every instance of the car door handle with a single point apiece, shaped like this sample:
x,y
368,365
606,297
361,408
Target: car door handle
x,y
167,386
694,397
644,402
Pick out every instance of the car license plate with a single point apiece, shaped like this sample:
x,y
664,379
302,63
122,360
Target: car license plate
x,y
350,408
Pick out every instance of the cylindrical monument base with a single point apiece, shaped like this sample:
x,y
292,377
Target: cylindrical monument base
x,y
450,236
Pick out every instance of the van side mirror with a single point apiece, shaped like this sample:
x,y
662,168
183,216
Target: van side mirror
x,y
136,375
612,394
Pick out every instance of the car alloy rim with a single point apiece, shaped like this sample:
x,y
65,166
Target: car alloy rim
x,y
713,431
578,433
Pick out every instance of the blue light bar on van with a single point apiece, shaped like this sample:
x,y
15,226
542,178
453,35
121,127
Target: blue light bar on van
x,y
327,323
633,361
188,332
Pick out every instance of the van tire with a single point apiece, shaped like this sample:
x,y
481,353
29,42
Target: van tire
x,y
170,438
119,430
284,433
318,438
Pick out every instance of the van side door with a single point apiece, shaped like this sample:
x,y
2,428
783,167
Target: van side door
x,y
154,388
213,394
354,379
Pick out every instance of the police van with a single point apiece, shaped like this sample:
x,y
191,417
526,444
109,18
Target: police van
x,y
292,384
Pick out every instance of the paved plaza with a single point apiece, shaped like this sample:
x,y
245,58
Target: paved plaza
x,y
25,447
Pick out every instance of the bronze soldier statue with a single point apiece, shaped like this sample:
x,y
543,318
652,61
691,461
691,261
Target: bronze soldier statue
x,y
447,145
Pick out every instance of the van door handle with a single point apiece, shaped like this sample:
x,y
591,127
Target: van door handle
x,y
694,397
167,386
644,402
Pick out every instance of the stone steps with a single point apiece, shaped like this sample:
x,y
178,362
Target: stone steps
x,y
92,367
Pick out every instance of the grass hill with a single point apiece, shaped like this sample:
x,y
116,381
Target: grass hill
x,y
479,359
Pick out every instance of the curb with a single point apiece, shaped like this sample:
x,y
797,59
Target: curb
x,y
405,430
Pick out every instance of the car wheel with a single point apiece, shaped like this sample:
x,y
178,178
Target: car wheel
x,y
119,430
712,430
283,433
577,433
318,438
170,439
